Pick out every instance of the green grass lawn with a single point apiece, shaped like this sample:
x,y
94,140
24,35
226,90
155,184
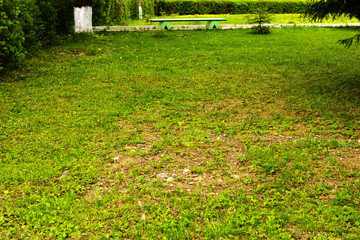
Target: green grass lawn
x,y
183,135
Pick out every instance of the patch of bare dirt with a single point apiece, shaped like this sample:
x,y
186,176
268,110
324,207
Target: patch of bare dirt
x,y
74,53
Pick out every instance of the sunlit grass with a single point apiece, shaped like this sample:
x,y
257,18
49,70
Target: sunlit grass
x,y
184,135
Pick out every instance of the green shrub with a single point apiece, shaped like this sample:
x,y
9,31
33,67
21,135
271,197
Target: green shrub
x,y
11,35
101,12
64,21
26,25
165,7
261,17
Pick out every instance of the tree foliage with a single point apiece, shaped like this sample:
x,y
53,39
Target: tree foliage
x,y
261,17
120,12
82,3
321,9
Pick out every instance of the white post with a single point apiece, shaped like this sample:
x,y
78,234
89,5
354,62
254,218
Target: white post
x,y
83,19
140,10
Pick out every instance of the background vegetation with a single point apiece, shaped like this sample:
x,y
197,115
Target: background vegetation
x,y
164,7
109,12
26,25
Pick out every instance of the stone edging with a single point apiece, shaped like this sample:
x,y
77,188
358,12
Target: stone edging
x,y
223,26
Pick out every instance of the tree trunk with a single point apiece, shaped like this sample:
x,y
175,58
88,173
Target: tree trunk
x,y
83,16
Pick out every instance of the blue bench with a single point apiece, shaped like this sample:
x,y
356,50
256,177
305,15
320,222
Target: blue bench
x,y
211,23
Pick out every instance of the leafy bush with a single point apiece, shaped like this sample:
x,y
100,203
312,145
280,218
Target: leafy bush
x,y
26,25
11,35
165,7
64,14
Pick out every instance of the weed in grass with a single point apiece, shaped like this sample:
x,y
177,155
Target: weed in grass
x,y
158,165
157,147
197,170
159,34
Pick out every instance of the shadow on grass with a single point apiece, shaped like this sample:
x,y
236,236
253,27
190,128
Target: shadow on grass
x,y
334,98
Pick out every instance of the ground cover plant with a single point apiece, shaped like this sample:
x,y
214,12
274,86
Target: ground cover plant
x,y
192,135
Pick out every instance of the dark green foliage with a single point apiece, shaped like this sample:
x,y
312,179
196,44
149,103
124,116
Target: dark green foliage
x,y
320,9
26,25
349,41
47,18
82,3
260,18
163,7
64,14
108,12
101,12
11,36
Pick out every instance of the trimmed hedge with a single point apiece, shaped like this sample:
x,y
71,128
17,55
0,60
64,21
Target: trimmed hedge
x,y
26,25
191,7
